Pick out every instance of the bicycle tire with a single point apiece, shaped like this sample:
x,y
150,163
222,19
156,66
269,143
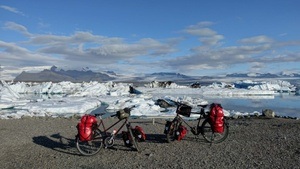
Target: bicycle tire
x,y
92,147
213,137
171,135
132,139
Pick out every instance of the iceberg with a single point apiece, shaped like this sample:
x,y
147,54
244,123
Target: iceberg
x,y
66,99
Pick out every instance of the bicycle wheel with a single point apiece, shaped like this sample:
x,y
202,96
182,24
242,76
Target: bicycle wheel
x,y
171,134
133,139
91,147
210,136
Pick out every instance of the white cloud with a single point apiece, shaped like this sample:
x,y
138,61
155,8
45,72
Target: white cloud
x,y
79,49
17,27
201,31
14,55
256,66
211,40
207,36
225,57
256,40
11,9
83,49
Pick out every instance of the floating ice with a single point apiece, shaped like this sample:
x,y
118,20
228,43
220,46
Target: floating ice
x,y
65,99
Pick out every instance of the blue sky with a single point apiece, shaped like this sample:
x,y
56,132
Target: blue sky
x,y
191,37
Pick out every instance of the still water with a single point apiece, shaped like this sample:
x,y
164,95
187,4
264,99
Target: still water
x,y
282,104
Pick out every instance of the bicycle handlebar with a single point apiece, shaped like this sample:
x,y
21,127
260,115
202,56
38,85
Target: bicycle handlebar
x,y
130,107
203,105
99,114
126,109
177,103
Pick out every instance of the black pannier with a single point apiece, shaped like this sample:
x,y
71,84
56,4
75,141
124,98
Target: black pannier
x,y
184,110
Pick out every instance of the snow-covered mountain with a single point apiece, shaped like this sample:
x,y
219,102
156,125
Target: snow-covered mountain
x,y
55,74
58,75
264,75
167,76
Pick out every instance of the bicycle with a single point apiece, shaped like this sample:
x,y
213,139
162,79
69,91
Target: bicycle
x,y
103,137
204,128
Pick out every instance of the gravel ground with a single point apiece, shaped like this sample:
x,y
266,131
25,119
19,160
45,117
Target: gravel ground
x,y
252,143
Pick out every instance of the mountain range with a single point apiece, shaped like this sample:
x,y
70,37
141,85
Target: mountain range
x,y
56,75
263,75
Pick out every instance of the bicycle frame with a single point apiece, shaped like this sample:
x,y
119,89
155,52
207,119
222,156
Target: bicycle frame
x,y
100,137
101,123
204,128
180,119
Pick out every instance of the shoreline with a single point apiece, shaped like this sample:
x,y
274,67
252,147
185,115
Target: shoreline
x,y
46,142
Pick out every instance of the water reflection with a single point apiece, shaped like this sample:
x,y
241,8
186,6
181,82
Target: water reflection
x,y
282,104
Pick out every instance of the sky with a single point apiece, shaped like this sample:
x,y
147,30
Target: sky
x,y
134,37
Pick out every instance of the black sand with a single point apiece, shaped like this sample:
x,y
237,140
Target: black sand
x,y
252,143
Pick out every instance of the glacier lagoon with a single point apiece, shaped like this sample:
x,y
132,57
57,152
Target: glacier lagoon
x,y
81,98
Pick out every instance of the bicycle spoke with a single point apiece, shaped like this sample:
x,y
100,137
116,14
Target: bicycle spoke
x,y
211,136
171,134
91,147
93,144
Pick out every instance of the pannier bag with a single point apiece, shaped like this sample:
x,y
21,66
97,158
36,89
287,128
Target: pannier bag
x,y
180,134
86,126
123,113
216,117
139,133
184,110
167,127
126,138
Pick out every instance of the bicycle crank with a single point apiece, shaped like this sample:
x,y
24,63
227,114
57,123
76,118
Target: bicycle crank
x,y
195,131
109,141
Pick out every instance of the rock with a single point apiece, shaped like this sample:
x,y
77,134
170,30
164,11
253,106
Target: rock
x,y
162,103
235,116
196,85
268,113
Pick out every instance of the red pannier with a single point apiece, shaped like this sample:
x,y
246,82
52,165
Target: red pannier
x,y
86,126
216,117
139,133
180,134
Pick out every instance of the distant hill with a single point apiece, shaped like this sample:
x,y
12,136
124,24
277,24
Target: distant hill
x,y
263,75
167,76
56,75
